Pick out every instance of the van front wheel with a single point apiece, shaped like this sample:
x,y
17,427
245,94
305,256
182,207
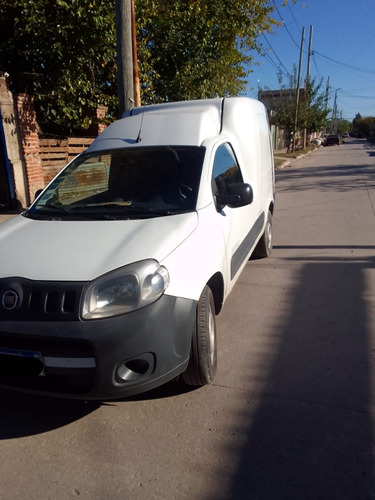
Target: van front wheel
x,y
264,246
202,365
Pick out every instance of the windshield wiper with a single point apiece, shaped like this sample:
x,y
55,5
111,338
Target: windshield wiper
x,y
58,212
56,208
122,209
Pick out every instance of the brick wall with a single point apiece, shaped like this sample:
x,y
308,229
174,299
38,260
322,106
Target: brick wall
x,y
32,170
101,114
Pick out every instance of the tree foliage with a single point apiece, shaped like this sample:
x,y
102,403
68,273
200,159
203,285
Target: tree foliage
x,y
344,126
64,52
313,111
362,126
193,49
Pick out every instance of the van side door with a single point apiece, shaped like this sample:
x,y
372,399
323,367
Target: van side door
x,y
240,225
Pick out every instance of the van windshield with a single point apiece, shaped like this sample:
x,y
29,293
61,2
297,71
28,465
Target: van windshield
x,y
137,182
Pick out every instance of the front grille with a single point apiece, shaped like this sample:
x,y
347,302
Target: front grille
x,y
41,300
69,365
52,301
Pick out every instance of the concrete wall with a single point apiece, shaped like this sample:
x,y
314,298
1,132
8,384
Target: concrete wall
x,y
13,142
28,131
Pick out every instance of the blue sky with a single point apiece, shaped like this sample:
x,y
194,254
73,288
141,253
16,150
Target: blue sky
x,y
343,46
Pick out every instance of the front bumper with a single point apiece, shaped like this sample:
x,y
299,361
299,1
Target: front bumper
x,y
100,359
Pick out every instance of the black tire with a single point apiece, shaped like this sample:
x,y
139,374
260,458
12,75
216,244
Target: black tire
x,y
264,246
202,365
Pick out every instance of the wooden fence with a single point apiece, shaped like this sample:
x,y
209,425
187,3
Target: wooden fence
x,y
56,153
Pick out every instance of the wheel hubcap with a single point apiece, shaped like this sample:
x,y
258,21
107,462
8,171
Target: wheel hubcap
x,y
269,235
211,335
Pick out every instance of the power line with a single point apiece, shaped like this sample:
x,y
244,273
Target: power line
x,y
277,67
266,56
285,26
277,57
365,97
348,66
360,90
295,20
316,66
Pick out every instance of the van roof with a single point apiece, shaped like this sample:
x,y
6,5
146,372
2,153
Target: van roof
x,y
176,123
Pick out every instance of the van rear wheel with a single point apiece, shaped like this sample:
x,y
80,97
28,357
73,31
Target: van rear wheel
x,y
202,365
264,246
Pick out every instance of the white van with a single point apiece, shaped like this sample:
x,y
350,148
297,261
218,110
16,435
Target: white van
x,y
111,280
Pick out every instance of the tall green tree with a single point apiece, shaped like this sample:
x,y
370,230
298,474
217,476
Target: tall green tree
x,y
312,110
193,49
64,52
363,126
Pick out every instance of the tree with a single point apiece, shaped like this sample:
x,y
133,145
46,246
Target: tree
x,y
345,126
64,52
312,110
362,126
192,49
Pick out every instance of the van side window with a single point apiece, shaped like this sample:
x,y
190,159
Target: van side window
x,y
225,170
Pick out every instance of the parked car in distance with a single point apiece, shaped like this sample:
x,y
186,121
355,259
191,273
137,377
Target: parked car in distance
x,y
332,140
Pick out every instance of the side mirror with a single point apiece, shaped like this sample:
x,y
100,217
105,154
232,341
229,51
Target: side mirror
x,y
37,193
237,195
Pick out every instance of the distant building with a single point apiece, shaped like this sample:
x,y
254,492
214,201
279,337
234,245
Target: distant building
x,y
277,99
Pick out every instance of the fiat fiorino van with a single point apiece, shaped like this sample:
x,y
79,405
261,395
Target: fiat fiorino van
x,y
110,281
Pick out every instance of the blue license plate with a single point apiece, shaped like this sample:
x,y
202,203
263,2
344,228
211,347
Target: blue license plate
x,y
22,353
21,362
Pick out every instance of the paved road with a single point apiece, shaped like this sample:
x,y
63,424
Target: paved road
x,y
291,413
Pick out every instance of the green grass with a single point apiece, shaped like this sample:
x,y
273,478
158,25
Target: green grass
x,y
278,162
297,153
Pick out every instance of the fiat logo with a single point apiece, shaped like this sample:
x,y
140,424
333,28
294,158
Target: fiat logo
x,y
9,300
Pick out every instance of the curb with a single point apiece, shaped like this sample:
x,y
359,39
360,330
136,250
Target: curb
x,y
289,161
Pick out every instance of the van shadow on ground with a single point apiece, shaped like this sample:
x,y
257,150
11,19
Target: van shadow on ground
x,y
27,414
312,435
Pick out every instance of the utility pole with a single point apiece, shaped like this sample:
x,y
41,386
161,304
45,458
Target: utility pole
x,y
309,55
326,99
125,75
327,94
307,81
335,114
297,92
137,90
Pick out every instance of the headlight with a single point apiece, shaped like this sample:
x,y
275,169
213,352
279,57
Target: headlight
x,y
124,290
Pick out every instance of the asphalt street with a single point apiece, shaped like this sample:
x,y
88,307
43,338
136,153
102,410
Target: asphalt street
x,y
291,412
